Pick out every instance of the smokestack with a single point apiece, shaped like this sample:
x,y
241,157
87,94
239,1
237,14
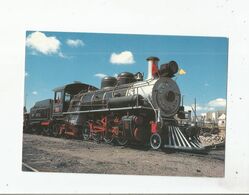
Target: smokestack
x,y
152,66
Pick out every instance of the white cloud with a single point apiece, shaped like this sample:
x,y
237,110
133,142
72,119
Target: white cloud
x,y
41,43
125,57
75,43
115,75
26,74
219,102
210,106
100,75
34,92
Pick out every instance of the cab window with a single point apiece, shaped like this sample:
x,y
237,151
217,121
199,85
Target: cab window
x,y
58,97
67,97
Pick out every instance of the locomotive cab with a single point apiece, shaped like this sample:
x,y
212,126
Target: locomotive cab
x,y
64,94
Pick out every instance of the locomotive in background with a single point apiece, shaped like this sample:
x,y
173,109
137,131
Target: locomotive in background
x,y
126,109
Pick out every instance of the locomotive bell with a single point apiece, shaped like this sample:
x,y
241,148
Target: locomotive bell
x,y
139,76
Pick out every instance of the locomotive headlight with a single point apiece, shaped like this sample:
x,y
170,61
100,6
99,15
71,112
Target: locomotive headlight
x,y
166,96
169,69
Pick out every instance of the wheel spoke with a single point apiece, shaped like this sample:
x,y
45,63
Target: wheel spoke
x,y
96,137
122,140
108,137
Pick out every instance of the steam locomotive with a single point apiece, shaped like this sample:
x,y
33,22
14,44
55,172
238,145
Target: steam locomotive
x,y
127,108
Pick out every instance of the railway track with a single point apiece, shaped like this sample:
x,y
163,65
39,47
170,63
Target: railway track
x,y
26,167
214,154
213,151
216,151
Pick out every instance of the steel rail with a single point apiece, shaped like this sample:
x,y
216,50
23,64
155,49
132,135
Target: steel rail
x,y
29,167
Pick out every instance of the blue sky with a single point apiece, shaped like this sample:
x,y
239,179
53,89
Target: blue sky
x,y
57,58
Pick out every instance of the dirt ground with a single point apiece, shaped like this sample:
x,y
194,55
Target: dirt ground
x,y
48,154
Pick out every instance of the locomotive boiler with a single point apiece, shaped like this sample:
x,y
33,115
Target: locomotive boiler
x,y
127,108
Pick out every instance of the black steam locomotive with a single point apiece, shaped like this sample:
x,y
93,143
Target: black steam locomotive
x,y
127,108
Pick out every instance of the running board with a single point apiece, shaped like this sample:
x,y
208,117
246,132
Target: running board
x,y
176,140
